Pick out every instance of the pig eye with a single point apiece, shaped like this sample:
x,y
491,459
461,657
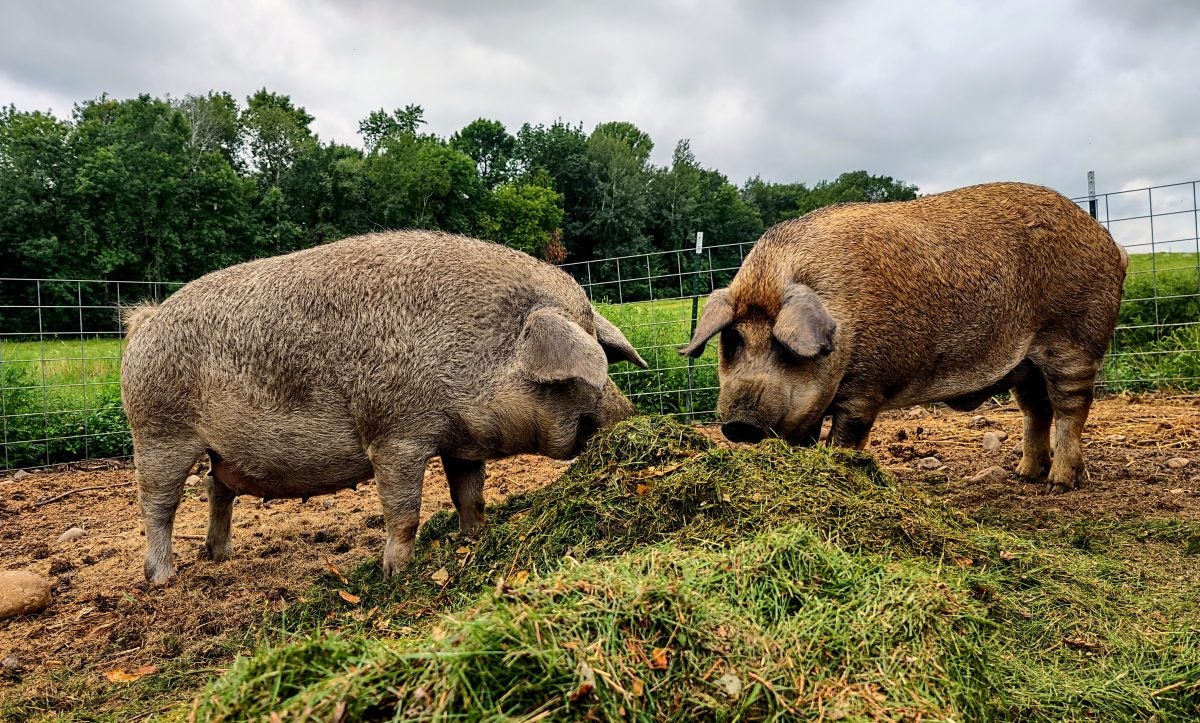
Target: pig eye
x,y
731,343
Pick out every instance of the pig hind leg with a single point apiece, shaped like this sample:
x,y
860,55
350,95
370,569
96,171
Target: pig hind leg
x,y
162,468
466,490
1070,378
1034,401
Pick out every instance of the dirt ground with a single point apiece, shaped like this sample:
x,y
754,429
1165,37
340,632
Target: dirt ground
x,y
103,618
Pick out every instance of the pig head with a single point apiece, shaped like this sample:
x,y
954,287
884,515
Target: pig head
x,y
777,366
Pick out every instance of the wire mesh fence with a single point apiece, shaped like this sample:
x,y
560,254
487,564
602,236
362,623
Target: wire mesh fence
x,y
61,342
1157,341
60,352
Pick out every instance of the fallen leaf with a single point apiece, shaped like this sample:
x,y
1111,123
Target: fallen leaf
x,y
1006,555
587,682
637,688
441,576
348,597
519,577
463,551
963,561
659,660
642,489
333,568
120,676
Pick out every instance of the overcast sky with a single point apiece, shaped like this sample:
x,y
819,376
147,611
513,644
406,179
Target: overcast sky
x,y
941,94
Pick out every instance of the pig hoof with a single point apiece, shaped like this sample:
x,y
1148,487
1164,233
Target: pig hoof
x,y
1057,488
160,576
471,530
395,556
1029,473
218,553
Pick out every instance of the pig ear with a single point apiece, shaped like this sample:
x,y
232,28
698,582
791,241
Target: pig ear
x,y
616,346
803,325
717,314
553,348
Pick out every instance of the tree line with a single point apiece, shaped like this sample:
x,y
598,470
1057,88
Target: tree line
x,y
153,188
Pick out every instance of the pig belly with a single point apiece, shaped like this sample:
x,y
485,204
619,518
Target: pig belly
x,y
964,389
285,485
285,482
282,455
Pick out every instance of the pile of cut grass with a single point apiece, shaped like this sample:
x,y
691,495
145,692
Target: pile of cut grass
x,y
664,579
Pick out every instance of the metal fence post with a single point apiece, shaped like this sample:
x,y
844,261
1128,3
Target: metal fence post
x,y
1092,193
695,311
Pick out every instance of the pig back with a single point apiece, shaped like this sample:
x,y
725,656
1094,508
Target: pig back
x,y
388,323
954,284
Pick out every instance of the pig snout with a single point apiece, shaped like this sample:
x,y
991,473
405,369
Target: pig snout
x,y
614,406
743,430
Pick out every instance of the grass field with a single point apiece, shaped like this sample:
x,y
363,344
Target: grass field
x,y
57,394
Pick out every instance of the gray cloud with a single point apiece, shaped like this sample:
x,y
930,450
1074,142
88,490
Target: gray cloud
x,y
941,94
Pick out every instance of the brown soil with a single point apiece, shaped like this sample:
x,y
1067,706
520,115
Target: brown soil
x,y
104,618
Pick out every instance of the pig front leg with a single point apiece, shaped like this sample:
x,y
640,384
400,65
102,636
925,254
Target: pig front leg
x,y
466,489
399,476
852,422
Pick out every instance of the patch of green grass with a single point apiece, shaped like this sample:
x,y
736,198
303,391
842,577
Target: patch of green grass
x,y
663,579
657,329
60,401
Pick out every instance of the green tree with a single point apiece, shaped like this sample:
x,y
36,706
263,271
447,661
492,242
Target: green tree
x,y
860,186
276,132
638,141
380,126
523,216
559,151
619,211
675,198
142,205
776,201
35,172
423,183
490,145
213,121
325,195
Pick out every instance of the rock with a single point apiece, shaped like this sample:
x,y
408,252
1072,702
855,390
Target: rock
x,y
917,412
72,534
1115,438
1002,434
1178,462
11,664
22,593
193,479
20,475
929,463
992,474
991,442
978,421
